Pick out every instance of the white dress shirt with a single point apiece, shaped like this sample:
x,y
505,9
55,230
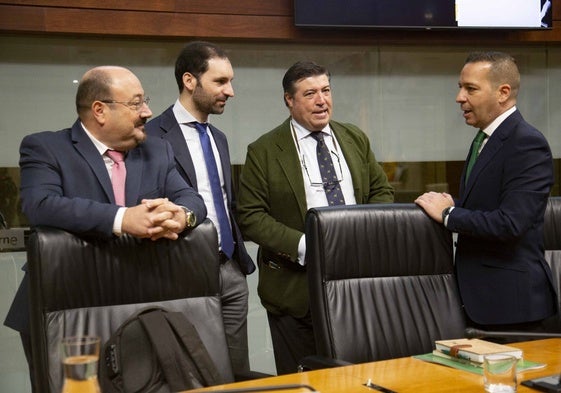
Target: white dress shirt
x,y
307,156
495,124
191,136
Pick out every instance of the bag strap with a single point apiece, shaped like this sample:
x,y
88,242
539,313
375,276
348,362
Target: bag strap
x,y
168,350
112,369
188,334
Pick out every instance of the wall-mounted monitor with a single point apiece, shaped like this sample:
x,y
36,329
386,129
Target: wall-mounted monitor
x,y
424,14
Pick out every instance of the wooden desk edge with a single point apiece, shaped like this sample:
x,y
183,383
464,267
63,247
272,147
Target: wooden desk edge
x,y
403,375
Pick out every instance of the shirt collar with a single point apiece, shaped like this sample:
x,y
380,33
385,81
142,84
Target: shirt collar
x,y
101,148
497,122
181,114
302,132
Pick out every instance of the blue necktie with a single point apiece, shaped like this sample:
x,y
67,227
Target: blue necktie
x,y
329,179
226,237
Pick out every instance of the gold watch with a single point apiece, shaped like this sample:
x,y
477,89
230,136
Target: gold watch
x,y
190,219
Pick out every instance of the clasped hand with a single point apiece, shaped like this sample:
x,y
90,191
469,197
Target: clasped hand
x,y
154,219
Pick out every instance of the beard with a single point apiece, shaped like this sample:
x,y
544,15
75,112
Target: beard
x,y
207,104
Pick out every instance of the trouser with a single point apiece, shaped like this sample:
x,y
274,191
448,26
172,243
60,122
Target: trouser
x,y
17,318
27,349
293,339
234,298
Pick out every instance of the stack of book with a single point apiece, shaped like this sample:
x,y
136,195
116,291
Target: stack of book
x,y
467,354
472,351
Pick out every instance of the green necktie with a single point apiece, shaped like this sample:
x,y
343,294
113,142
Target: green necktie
x,y
476,145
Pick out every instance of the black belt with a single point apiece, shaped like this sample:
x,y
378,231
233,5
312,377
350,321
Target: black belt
x,y
223,257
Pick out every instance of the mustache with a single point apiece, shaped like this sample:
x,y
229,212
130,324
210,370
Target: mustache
x,y
140,123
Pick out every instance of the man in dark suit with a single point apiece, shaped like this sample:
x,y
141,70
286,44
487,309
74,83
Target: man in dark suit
x,y
281,180
504,280
66,176
204,77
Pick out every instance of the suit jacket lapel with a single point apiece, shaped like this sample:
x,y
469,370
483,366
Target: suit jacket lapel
x,y
222,146
350,154
291,166
86,148
133,162
174,135
493,145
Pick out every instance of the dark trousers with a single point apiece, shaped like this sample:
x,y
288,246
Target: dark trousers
x,y
17,318
293,339
234,297
27,349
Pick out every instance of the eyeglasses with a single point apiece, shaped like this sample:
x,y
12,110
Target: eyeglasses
x,y
328,184
135,105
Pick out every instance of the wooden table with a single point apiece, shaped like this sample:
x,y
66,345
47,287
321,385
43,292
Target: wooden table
x,y
408,374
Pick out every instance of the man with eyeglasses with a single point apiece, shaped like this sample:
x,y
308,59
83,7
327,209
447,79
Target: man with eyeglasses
x,y
68,177
308,161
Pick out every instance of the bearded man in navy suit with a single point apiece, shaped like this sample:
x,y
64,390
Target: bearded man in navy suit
x,y
66,175
504,281
204,76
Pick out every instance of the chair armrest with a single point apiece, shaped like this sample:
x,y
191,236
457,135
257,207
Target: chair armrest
x,y
248,376
316,362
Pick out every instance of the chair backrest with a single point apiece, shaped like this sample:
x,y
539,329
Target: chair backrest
x,y
82,286
552,241
381,282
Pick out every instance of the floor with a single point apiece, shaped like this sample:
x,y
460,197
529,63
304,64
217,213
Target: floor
x,y
13,367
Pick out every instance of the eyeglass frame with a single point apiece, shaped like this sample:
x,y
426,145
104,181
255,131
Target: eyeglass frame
x,y
135,106
324,184
303,163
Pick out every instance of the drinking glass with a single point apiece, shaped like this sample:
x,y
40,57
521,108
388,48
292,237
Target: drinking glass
x,y
499,373
80,357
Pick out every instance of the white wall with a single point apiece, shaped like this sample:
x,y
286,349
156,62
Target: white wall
x,y
401,96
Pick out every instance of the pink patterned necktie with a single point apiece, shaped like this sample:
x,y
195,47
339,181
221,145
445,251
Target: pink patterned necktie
x,y
118,175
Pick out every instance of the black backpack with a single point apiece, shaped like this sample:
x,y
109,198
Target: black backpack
x,y
156,351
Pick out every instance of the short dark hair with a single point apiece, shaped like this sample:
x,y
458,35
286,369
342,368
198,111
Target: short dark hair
x,y
301,70
96,85
194,58
503,68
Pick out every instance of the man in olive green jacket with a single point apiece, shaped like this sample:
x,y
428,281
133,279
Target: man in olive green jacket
x,y
279,183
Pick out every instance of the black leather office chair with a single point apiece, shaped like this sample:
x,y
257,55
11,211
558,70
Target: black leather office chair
x,y
81,286
381,282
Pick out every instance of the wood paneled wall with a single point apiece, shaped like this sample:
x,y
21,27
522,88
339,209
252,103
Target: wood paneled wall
x,y
239,20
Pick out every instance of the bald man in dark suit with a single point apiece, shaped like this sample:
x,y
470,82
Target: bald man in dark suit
x,y
66,176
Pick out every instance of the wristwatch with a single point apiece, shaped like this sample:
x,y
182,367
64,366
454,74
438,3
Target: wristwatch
x,y
190,219
445,213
